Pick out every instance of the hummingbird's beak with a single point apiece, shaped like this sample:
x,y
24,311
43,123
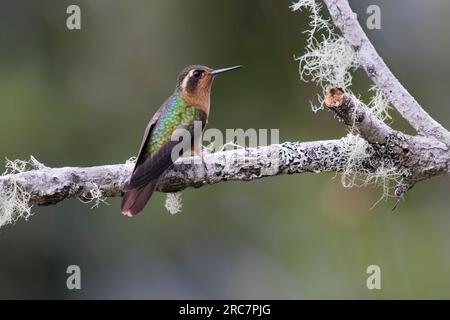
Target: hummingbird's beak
x,y
217,71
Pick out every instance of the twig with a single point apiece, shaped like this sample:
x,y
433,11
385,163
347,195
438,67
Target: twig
x,y
358,116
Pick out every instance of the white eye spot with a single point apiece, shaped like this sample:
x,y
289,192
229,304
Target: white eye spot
x,y
186,79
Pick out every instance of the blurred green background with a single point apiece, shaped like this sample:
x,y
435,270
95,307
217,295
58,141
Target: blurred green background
x,y
83,98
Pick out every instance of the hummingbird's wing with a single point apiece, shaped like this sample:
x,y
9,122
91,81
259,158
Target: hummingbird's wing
x,y
149,167
147,133
144,179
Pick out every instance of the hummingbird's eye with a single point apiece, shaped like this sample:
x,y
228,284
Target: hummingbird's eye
x,y
197,74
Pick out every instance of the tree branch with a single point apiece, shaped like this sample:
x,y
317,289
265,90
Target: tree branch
x,y
47,186
415,156
345,19
51,185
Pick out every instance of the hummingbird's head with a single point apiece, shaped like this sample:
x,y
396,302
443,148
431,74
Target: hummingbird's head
x,y
194,84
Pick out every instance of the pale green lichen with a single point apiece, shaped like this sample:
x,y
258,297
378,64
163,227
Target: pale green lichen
x,y
379,104
359,152
328,59
14,200
94,196
174,203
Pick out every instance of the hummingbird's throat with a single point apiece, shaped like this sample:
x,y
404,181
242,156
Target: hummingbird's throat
x,y
199,97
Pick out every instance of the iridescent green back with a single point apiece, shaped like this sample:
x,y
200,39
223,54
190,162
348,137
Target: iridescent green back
x,y
178,113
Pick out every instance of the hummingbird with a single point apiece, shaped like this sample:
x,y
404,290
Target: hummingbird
x,y
189,103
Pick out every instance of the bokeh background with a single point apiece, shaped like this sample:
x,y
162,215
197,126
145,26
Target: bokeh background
x,y
83,98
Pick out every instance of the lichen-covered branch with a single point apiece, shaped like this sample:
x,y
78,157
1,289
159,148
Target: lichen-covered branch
x,y
420,157
47,186
413,157
346,20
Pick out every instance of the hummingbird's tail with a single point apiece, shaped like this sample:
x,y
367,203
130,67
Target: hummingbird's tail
x,y
134,200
